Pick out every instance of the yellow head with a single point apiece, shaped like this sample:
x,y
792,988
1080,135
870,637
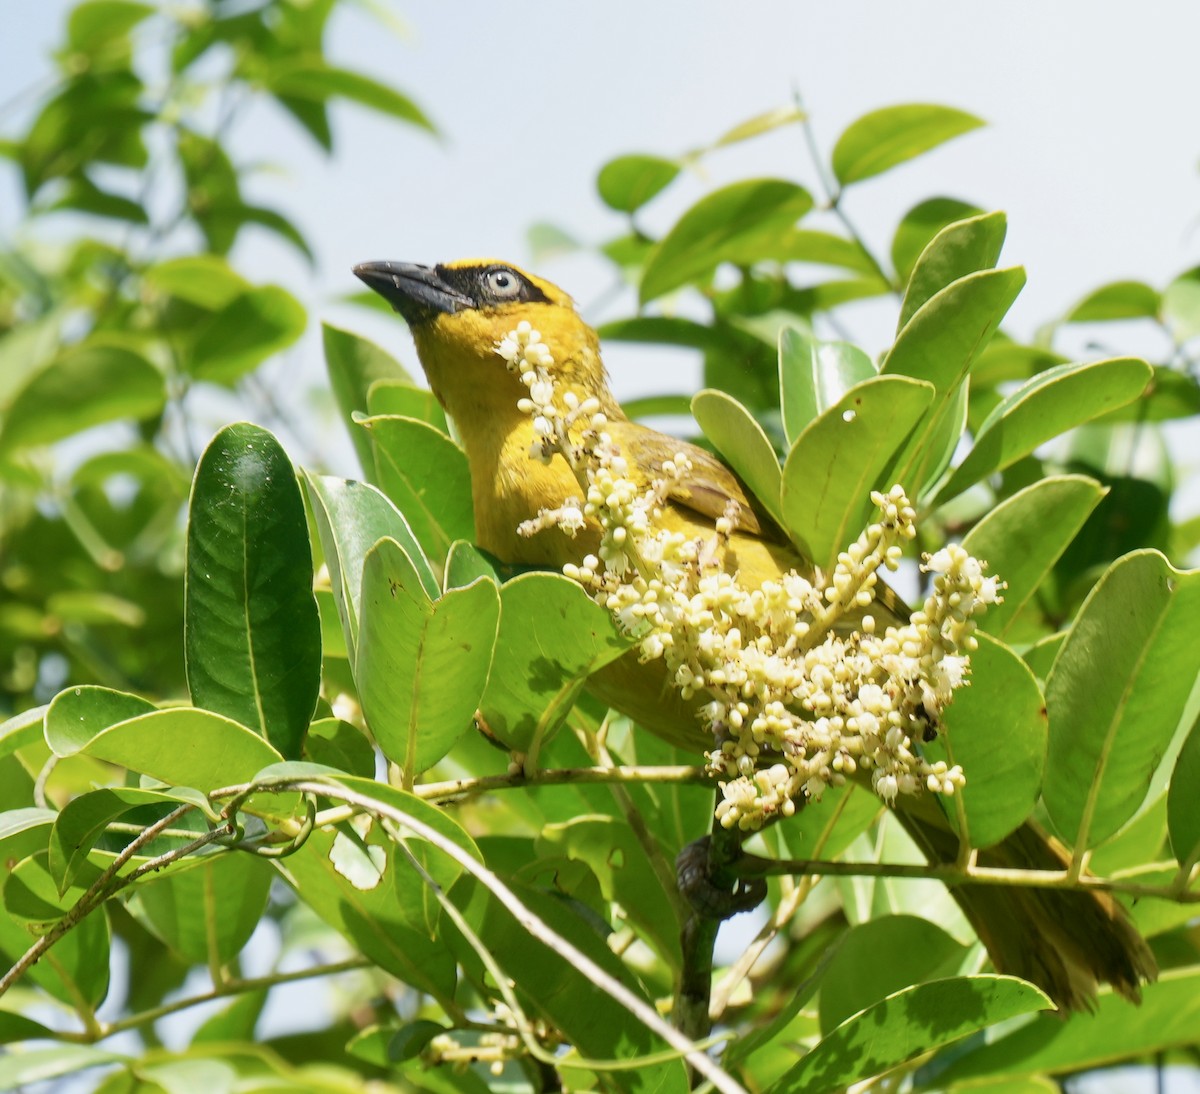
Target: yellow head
x,y
458,312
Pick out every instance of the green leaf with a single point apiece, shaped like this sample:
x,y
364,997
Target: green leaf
x,y
905,1025
617,857
401,398
465,563
21,730
959,249
814,375
1004,770
245,332
85,196
628,182
1170,394
339,745
313,80
1112,1033
938,345
1025,535
354,364
427,477
77,715
552,637
596,1024
1042,408
98,23
100,380
16,1027
44,1064
184,746
823,248
207,281
78,966
421,665
882,956
351,518
1183,819
1116,692
920,224
842,456
879,141
742,441
1181,305
1117,300
252,632
733,224
209,912
766,122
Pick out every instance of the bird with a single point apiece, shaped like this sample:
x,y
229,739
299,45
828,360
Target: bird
x,y
1066,942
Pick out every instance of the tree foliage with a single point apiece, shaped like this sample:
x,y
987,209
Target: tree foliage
x,y
203,682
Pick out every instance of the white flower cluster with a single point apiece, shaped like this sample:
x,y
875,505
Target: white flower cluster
x,y
800,690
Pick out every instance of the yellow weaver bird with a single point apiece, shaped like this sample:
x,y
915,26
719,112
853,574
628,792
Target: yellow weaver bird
x,y
1064,941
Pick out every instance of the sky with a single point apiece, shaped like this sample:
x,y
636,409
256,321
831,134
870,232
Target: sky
x,y
1091,145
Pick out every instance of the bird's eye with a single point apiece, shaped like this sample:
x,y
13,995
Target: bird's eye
x,y
503,284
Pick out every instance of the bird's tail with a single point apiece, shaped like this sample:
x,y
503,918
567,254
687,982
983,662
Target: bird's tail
x,y
1067,942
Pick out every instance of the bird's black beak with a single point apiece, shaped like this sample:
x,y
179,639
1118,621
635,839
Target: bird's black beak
x,y
416,292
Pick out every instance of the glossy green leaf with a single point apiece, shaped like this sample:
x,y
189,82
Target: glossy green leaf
x,y
252,632
1183,819
962,248
465,563
209,912
744,444
421,665
1004,770
1117,300
184,746
882,956
1025,535
245,332
920,224
16,1027
1114,1032
552,637
400,397
354,364
1116,692
77,715
813,375
313,79
351,517
426,476
628,182
1044,407
100,380
733,224
905,1025
842,456
879,141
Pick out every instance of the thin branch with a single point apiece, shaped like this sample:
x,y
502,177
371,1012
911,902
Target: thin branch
x,y
455,788
235,987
